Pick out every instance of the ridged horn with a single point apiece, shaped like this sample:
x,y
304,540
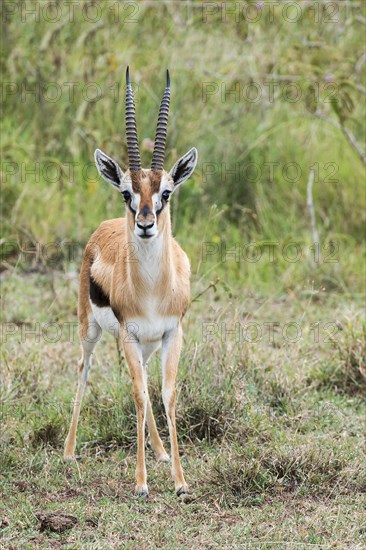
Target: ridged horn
x,y
134,159
157,162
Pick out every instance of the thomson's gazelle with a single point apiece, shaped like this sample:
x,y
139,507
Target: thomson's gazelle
x,y
134,283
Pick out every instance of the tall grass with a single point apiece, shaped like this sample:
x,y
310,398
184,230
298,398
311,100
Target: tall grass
x,y
245,146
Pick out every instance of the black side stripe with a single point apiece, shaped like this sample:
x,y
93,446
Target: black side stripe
x,y
100,298
97,294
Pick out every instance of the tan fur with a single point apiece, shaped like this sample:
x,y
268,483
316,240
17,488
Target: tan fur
x,y
111,259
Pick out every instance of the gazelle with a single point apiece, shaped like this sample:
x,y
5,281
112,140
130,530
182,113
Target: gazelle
x,y
134,283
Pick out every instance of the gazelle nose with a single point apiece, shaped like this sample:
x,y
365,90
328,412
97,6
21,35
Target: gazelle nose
x,y
145,226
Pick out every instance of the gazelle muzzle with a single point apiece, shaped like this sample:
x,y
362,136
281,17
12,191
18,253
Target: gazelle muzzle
x,y
146,223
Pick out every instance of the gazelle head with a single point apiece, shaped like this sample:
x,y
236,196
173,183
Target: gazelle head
x,y
146,191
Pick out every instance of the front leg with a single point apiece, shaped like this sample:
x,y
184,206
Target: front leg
x,y
136,368
171,348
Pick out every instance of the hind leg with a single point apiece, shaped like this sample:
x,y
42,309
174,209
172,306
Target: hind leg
x,y
88,343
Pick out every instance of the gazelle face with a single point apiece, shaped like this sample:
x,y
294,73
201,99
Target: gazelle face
x,y
146,192
146,196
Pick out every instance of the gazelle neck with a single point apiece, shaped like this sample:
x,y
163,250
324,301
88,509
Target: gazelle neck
x,y
152,257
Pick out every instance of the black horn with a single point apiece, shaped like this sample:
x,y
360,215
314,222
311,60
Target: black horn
x,y
157,162
134,159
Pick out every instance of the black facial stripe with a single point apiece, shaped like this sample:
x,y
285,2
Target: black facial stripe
x,y
97,294
128,204
163,204
130,207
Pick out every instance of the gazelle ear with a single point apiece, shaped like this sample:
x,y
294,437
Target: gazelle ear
x,y
184,167
108,169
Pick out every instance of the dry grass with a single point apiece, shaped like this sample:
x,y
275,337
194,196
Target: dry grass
x,y
264,442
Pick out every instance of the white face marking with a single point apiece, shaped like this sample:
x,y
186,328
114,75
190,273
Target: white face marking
x,y
135,202
147,231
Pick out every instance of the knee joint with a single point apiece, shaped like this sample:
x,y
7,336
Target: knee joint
x,y
140,398
168,398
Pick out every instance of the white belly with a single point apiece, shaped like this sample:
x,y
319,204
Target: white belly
x,y
146,332
106,319
149,331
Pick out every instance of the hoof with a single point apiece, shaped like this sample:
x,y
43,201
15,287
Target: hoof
x,y
163,458
142,495
71,458
185,497
182,492
141,491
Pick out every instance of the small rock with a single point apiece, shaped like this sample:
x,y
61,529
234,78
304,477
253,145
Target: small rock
x,y
55,521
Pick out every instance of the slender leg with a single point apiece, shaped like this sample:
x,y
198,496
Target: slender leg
x,y
138,377
156,442
88,345
172,344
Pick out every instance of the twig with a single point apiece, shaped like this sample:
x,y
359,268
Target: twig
x,y
361,19
211,285
310,205
50,35
348,135
352,140
360,62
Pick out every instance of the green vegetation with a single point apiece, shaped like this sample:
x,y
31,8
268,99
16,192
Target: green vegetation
x,y
272,432
271,400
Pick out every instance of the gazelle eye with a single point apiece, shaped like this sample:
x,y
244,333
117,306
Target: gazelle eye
x,y
126,195
165,195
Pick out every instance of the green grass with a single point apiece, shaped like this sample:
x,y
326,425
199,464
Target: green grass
x,y
271,432
52,193
271,389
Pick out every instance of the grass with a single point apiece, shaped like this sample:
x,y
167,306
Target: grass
x,y
273,449
271,389
51,192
